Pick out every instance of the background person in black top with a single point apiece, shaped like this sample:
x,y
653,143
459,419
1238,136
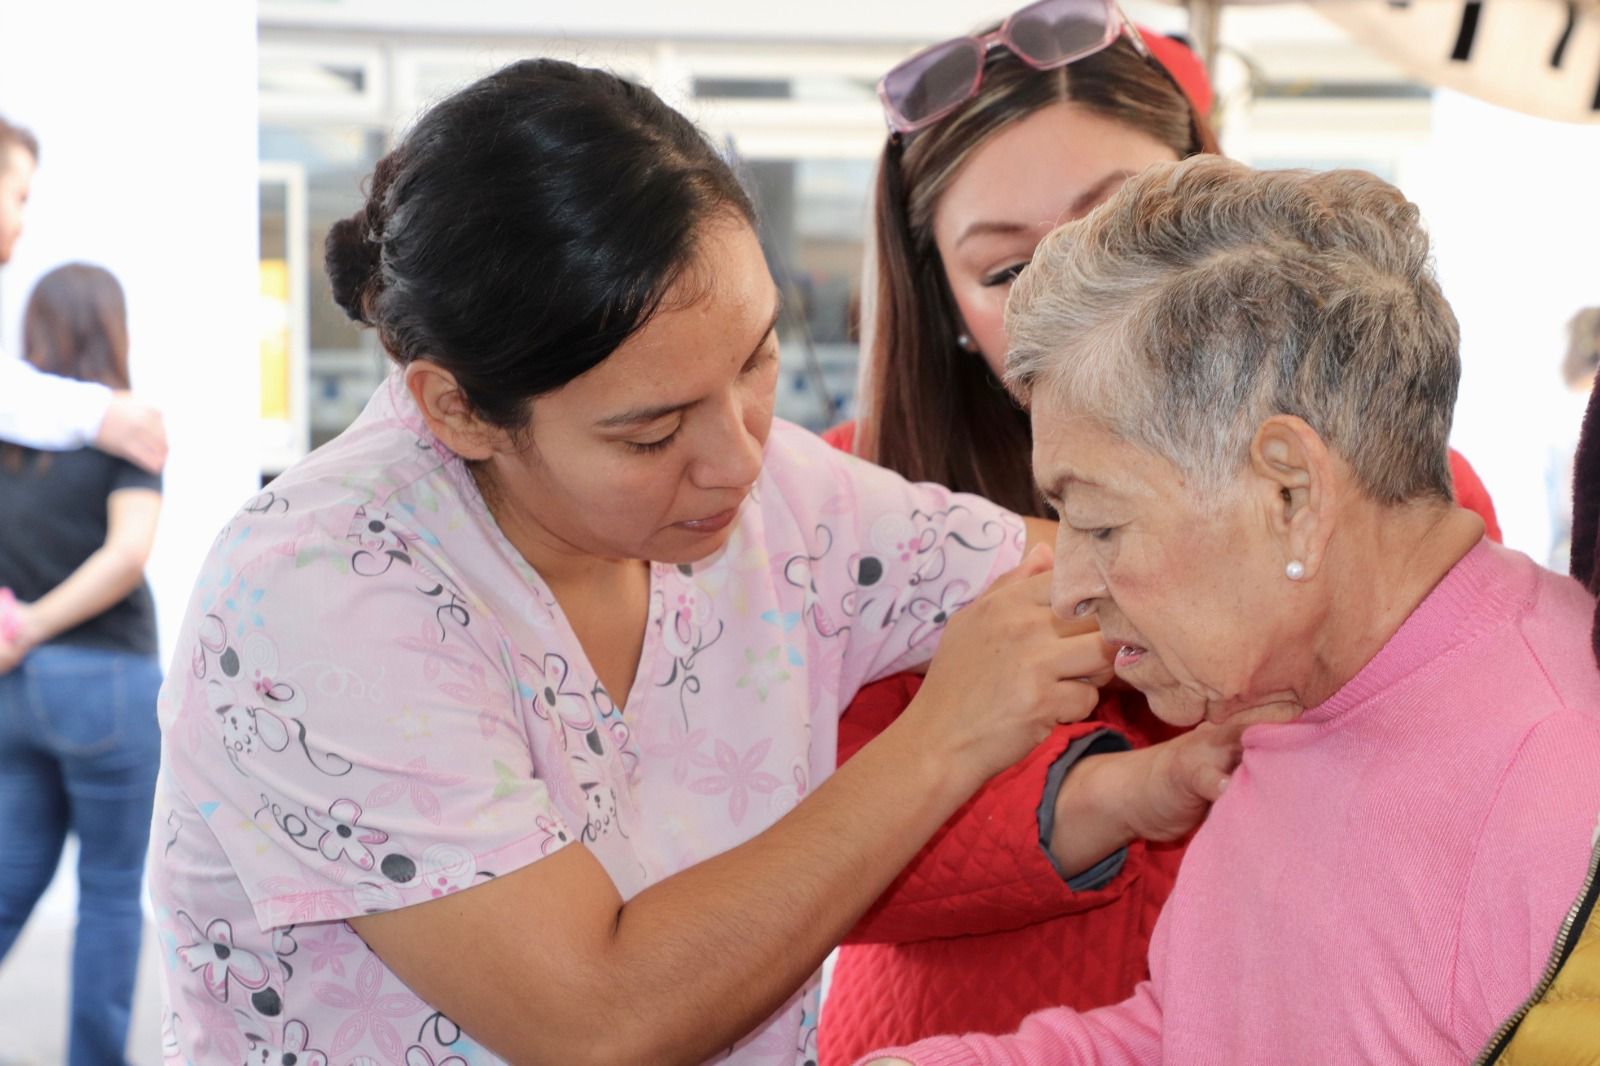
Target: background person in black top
x,y
79,743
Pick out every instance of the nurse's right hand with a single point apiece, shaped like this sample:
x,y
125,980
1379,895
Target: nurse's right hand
x,y
1007,672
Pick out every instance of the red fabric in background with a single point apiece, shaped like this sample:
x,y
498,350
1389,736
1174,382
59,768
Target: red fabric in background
x,y
1471,494
979,930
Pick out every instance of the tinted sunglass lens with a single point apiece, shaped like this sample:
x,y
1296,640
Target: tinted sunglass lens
x,y
928,84
1055,30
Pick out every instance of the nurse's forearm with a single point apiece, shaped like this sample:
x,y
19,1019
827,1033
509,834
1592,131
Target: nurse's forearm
x,y
800,887
548,964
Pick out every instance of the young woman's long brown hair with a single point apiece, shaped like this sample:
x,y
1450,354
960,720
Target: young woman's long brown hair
x,y
76,325
928,409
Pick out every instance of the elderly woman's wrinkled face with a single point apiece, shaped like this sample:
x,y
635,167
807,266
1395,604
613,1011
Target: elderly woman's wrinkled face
x,y
1190,594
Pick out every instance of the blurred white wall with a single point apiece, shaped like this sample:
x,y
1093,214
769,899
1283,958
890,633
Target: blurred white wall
x,y
817,20
146,114
1513,206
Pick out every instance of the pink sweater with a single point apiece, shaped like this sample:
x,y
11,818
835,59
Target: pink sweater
x,y
1385,876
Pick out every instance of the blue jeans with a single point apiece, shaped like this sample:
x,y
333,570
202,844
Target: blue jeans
x,y
79,747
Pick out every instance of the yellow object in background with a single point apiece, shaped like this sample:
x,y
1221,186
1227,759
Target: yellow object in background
x,y
275,340
1560,1023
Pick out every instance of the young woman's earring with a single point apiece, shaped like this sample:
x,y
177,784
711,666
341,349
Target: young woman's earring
x,y
1295,570
964,342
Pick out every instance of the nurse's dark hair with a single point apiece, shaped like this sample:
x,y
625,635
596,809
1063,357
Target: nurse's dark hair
x,y
526,227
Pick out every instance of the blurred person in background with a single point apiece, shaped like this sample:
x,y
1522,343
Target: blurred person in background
x,y
79,743
42,410
995,141
1578,369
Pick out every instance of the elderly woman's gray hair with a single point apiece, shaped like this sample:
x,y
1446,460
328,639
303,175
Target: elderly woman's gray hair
x,y
1205,297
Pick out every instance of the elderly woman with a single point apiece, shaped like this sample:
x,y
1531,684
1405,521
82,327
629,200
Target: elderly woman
x,y
1240,386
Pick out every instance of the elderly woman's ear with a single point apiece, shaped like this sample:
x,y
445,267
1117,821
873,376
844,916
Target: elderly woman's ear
x,y
1296,480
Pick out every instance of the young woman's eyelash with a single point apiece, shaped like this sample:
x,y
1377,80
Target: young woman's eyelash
x,y
761,359
1004,275
648,447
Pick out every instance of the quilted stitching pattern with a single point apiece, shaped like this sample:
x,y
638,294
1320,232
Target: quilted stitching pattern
x,y
979,930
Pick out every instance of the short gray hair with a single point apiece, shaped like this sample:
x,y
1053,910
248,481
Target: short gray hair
x,y
1205,297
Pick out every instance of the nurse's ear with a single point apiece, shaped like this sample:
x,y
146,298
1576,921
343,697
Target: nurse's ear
x,y
449,414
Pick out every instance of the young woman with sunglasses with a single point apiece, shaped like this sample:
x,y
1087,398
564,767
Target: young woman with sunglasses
x,y
995,140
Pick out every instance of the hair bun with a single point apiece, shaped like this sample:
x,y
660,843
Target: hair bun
x,y
353,260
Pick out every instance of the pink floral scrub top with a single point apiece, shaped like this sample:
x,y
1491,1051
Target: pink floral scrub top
x,y
376,701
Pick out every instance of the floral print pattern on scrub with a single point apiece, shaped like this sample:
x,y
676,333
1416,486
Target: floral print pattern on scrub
x,y
377,702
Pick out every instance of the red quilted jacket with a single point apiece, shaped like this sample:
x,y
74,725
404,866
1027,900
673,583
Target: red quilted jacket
x,y
979,930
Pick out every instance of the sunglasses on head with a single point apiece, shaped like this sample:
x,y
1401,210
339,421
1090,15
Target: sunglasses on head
x,y
1045,35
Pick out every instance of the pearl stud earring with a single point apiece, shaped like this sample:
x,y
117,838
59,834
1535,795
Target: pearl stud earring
x,y
1295,570
964,341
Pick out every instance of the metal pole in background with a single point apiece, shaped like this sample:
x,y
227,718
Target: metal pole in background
x,y
1205,19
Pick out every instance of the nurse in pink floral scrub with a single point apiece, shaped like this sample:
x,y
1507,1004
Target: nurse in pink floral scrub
x,y
500,726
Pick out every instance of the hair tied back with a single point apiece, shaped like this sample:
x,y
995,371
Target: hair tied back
x,y
354,248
